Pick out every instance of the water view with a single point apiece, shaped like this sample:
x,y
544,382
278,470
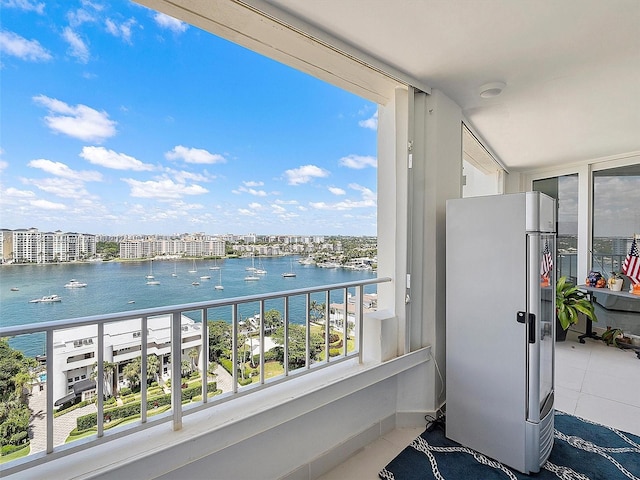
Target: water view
x,y
122,286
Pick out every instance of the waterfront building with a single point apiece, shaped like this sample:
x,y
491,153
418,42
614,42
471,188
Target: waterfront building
x,y
75,352
32,246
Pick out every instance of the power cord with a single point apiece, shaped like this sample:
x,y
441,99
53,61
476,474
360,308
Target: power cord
x,y
438,422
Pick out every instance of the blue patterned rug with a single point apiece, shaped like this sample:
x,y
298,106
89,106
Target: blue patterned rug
x,y
582,450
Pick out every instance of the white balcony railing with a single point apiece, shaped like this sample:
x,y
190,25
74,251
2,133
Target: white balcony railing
x,y
346,318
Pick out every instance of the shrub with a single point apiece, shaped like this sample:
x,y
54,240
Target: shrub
x,y
9,449
125,391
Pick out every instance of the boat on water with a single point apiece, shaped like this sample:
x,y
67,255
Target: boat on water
x,y
290,273
251,278
195,284
73,283
205,277
15,289
150,275
47,299
215,266
219,285
153,282
175,269
131,301
194,269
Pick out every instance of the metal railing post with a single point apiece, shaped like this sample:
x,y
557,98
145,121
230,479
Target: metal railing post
x,y
176,369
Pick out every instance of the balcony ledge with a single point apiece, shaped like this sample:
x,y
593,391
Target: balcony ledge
x,y
157,449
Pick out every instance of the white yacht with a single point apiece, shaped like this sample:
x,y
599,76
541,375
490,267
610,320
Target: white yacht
x,y
47,299
73,283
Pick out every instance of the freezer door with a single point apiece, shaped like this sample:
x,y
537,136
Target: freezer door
x,y
540,334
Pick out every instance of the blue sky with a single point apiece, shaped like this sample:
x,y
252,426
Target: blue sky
x,y
118,119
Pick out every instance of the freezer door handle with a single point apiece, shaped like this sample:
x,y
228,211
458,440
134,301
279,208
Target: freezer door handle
x,y
522,318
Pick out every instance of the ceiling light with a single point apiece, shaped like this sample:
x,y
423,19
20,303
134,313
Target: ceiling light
x,y
493,89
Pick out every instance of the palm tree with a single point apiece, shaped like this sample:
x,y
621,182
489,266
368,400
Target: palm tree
x,y
193,355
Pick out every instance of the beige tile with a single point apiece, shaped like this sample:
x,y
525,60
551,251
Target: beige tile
x,y
570,378
566,400
607,412
622,390
593,381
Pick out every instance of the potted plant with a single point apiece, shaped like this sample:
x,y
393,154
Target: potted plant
x,y
570,302
615,281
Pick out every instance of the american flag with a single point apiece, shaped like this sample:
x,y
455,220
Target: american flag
x,y
547,260
631,265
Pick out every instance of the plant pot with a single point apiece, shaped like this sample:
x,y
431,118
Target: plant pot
x,y
561,334
615,284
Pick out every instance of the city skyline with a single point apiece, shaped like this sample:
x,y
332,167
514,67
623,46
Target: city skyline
x,y
119,119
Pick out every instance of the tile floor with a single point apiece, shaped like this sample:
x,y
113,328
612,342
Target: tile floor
x,y
593,381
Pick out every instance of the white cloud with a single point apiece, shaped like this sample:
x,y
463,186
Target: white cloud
x,y
15,193
337,191
194,155
253,184
60,187
371,123
286,202
367,193
123,30
277,209
358,162
47,205
17,46
304,174
251,191
164,188
3,165
184,177
170,23
79,16
61,170
255,205
110,159
247,213
80,121
77,47
27,5
368,199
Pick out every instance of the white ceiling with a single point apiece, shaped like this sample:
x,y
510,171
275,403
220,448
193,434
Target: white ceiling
x,y
572,67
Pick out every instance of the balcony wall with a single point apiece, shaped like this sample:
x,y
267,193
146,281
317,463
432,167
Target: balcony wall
x,y
298,429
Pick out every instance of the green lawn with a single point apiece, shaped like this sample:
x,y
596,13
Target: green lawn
x,y
23,452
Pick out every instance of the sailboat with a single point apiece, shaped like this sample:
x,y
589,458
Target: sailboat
x,y
219,286
252,268
175,269
215,265
290,273
150,276
260,270
194,269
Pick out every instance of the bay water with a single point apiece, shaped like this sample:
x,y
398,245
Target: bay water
x,y
122,286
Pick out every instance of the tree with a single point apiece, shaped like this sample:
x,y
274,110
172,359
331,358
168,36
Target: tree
x,y
16,372
193,355
297,345
109,369
219,339
272,320
316,311
132,370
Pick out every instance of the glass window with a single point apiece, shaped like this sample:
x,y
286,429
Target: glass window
x,y
616,216
565,190
481,174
